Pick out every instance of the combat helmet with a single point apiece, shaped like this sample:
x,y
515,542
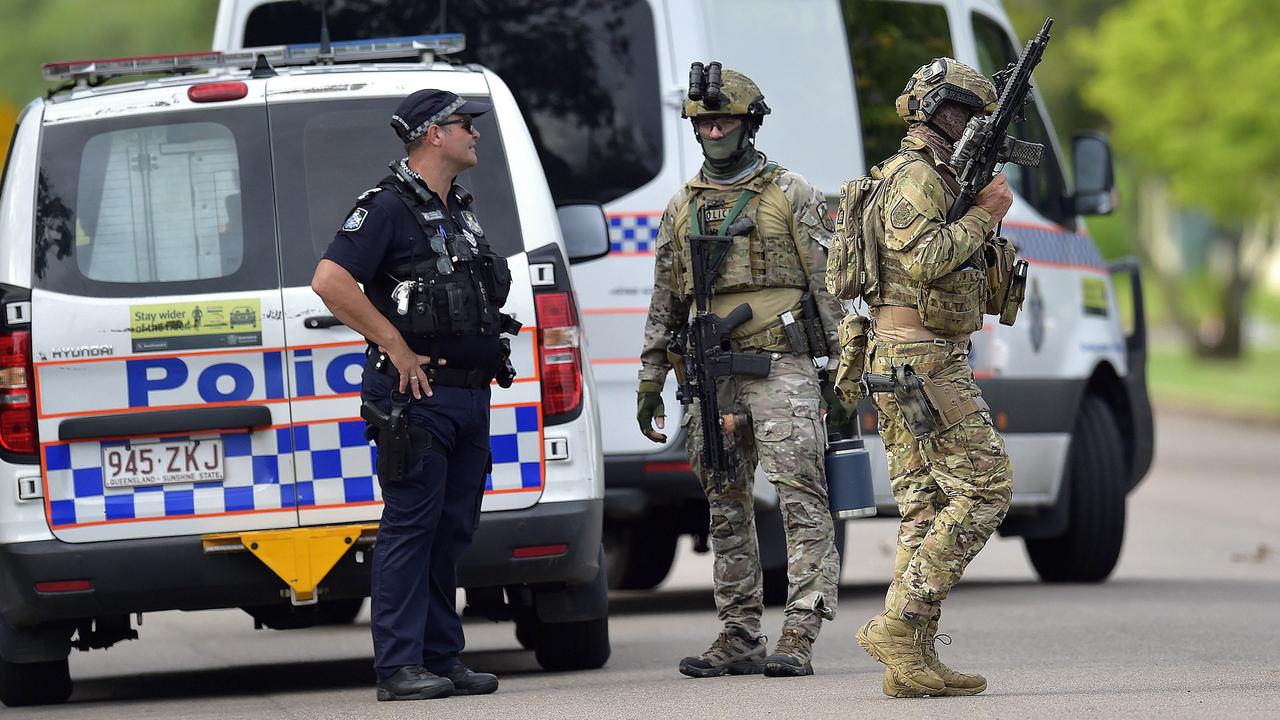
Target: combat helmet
x,y
940,80
717,91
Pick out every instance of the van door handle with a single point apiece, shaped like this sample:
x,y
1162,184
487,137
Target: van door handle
x,y
319,322
159,422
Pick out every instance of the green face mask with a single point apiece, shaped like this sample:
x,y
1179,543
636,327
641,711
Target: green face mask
x,y
723,148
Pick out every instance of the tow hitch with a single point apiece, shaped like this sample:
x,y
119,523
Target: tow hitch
x,y
301,557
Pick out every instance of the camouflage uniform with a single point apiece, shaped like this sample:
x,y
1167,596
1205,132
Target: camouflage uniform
x,y
928,294
786,433
952,489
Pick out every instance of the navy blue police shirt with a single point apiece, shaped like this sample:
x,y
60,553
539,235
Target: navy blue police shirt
x,y
380,234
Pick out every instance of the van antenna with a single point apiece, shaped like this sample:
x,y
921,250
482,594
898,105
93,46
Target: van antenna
x,y
443,21
326,51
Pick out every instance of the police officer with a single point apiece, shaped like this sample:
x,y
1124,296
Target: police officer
x,y
770,267
430,312
952,488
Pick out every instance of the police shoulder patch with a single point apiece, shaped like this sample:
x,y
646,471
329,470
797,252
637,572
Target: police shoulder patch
x,y
354,222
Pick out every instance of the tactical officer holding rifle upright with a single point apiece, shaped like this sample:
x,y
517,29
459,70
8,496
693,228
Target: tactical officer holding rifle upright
x,y
936,266
430,311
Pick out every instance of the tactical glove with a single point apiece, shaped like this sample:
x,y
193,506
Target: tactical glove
x,y
649,406
839,412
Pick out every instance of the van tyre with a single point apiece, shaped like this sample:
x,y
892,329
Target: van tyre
x,y
40,683
639,555
339,612
1090,547
580,645
527,633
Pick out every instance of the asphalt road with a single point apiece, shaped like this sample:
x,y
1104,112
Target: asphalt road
x,y
1186,627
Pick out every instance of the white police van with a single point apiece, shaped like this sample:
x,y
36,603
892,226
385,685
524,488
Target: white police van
x,y
601,85
179,423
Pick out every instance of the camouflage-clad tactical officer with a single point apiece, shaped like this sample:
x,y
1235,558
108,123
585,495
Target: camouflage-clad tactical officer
x,y
770,268
953,488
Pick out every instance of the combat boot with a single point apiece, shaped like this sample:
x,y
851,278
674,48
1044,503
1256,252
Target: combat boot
x,y
791,657
735,652
957,683
896,643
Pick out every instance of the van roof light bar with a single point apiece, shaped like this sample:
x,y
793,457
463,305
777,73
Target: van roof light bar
x,y
116,67
425,47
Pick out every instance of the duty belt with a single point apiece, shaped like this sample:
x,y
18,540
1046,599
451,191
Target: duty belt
x,y
437,375
771,339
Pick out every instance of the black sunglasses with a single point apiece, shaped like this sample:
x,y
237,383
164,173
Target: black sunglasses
x,y
464,122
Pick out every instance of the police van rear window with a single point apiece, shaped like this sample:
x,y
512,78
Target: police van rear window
x,y
326,153
155,205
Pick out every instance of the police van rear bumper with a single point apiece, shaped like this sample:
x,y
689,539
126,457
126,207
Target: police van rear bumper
x,y
155,574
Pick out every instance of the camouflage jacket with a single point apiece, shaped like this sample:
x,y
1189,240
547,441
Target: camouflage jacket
x,y
808,226
919,247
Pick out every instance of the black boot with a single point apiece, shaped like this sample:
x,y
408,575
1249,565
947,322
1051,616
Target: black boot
x,y
466,682
414,682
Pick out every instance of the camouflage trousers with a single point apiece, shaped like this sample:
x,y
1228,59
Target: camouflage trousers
x,y
952,489
787,436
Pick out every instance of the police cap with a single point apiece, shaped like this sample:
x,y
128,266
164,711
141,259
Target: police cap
x,y
425,108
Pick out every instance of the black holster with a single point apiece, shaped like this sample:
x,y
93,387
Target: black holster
x,y
506,371
394,437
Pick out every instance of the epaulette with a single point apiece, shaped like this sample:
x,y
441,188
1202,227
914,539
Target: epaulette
x,y
463,197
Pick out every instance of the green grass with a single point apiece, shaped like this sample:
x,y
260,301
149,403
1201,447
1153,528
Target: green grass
x,y
1250,386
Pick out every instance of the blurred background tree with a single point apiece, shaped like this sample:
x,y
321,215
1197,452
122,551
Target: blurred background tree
x,y
1191,88
35,32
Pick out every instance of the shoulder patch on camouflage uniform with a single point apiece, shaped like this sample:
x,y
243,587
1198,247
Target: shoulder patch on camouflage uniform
x,y
902,214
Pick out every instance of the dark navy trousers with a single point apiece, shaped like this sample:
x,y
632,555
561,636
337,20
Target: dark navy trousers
x,y
428,520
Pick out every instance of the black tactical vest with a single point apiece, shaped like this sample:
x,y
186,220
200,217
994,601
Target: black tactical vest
x,y
454,284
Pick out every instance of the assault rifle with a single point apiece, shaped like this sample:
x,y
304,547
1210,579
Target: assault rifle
x,y
985,142
705,349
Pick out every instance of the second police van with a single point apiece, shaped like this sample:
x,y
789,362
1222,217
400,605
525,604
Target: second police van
x,y
179,424
601,86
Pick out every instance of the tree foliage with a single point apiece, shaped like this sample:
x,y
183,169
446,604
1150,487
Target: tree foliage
x,y
35,32
1192,88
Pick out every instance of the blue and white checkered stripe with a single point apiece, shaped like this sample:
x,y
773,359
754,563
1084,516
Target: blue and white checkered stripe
x,y
78,496
336,460
339,462
633,233
515,436
1051,245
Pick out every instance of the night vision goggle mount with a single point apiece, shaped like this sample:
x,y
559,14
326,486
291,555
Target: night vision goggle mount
x,y
705,84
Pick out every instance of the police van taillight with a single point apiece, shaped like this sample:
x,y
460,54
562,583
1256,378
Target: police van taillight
x,y
17,401
559,355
